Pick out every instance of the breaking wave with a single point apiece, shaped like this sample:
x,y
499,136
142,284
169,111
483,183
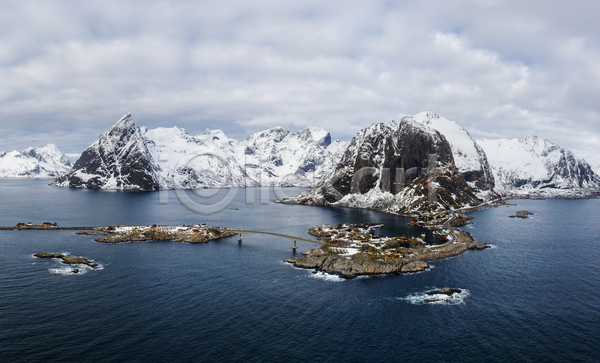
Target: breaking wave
x,y
325,276
72,269
422,298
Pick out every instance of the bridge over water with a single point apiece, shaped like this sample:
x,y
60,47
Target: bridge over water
x,y
293,238
234,230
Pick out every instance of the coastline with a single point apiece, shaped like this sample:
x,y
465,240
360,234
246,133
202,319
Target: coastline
x,y
137,233
397,255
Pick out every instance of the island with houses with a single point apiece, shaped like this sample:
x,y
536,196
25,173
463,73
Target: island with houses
x,y
351,250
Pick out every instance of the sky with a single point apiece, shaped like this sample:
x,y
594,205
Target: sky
x,y
501,69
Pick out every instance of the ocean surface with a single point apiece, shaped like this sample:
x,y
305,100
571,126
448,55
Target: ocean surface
x,y
533,297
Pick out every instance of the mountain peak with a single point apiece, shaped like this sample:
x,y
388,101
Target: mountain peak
x,y
371,173
124,123
316,134
530,139
426,117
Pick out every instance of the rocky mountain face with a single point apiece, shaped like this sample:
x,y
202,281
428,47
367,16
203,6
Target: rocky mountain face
x,y
46,162
129,157
469,157
119,159
406,167
534,167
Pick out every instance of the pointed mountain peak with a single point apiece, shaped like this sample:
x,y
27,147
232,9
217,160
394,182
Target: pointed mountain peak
x,y
124,122
124,126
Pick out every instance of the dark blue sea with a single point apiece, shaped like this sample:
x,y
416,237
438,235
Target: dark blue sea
x,y
533,297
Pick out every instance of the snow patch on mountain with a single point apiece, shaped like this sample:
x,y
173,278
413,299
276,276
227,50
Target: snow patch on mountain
x,y
44,163
535,167
469,157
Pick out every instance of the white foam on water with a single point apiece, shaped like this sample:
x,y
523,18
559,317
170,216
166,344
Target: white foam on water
x,y
64,269
325,276
69,270
439,299
315,275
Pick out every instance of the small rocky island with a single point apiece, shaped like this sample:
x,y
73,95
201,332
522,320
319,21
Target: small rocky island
x,y
521,214
67,259
190,233
353,250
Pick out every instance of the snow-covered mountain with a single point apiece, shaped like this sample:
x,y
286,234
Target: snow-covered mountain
x,y
469,157
46,162
466,172
407,167
534,167
129,157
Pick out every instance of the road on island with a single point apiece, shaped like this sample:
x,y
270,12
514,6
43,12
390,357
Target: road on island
x,y
446,226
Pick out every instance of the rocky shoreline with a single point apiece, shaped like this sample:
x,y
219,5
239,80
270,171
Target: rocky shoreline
x,y
341,261
67,259
190,234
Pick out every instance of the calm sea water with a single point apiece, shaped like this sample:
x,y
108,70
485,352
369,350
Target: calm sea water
x,y
534,297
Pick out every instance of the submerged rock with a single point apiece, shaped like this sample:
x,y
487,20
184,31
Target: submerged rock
x,y
446,291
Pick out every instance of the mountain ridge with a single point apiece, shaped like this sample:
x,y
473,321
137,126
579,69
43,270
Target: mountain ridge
x,y
44,163
171,158
483,178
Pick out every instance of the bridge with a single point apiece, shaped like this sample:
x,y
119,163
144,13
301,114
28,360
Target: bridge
x,y
234,230
293,238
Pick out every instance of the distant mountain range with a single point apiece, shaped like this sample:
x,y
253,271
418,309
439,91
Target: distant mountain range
x,y
134,158
421,162
46,162
536,168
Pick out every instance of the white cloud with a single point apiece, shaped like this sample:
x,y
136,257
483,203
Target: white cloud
x,y
69,70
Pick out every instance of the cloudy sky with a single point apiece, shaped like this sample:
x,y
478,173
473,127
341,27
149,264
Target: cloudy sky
x,y
69,70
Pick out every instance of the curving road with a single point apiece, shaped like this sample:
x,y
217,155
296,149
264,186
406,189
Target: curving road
x,y
446,226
